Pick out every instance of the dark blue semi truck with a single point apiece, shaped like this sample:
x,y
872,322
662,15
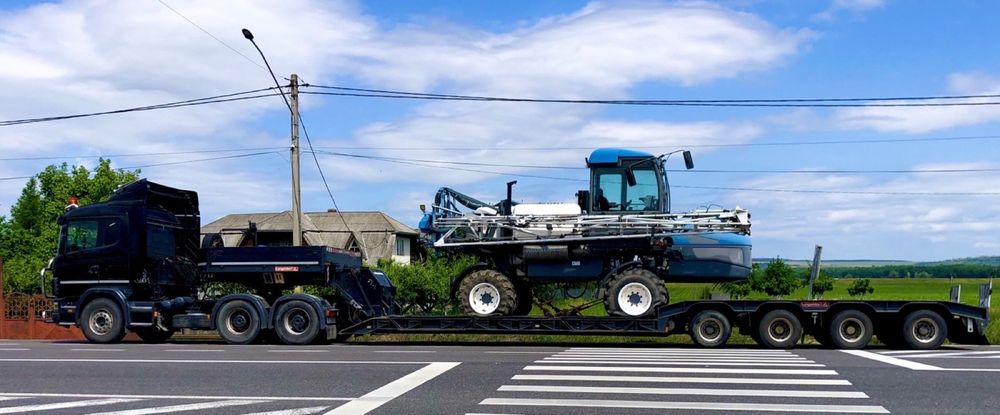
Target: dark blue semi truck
x,y
137,263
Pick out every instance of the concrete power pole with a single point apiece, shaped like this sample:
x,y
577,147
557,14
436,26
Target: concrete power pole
x,y
296,189
814,273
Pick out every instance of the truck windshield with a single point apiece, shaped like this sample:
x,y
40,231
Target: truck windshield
x,y
159,241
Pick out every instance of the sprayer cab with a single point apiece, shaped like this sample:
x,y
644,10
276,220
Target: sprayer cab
x,y
627,181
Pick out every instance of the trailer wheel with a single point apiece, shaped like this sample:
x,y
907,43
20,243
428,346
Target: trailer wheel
x,y
487,292
850,329
634,292
296,322
924,330
153,334
238,322
779,329
102,321
710,328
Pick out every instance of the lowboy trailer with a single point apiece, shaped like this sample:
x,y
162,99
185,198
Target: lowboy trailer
x,y
135,264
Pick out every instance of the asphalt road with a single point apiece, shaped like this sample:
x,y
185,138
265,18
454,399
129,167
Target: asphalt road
x,y
133,378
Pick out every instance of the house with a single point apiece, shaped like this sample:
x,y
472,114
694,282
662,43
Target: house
x,y
374,234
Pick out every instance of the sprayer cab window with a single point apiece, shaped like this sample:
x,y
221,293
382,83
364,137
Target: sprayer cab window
x,y
613,191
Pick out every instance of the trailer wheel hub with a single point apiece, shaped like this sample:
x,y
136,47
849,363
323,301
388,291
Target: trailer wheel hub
x,y
925,330
634,299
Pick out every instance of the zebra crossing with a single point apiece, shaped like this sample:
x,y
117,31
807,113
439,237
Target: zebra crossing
x,y
13,403
943,354
630,379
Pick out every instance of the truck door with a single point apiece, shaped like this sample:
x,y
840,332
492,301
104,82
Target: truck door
x,y
91,251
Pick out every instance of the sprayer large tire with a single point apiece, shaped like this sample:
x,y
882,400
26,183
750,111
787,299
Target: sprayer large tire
x,y
487,292
634,285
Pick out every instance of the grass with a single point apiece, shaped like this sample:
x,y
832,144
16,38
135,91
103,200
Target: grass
x,y
936,289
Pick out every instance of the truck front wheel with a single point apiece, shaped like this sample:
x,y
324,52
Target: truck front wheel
x,y
102,321
487,292
238,322
635,292
296,322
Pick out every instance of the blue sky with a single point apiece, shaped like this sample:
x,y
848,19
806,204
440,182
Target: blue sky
x,y
83,56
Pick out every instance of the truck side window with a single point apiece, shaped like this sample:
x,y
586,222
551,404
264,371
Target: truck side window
x,y
81,235
643,196
111,232
608,196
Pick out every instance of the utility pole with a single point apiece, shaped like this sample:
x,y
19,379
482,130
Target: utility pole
x,y
296,189
814,273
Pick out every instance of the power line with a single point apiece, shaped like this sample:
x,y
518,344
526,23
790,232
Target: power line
x,y
720,103
210,34
703,101
885,193
534,166
186,103
170,163
124,155
680,145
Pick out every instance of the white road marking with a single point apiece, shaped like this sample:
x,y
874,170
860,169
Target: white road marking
x,y
674,362
181,408
952,354
686,379
378,397
493,352
678,356
296,351
17,395
712,406
742,371
13,349
194,350
61,405
686,391
97,350
891,360
686,358
296,411
908,351
667,350
404,351
199,361
5,398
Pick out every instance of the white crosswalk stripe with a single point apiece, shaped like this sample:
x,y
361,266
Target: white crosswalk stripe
x,y
941,354
158,404
680,379
181,408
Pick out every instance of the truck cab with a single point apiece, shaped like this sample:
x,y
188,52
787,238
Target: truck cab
x,y
625,181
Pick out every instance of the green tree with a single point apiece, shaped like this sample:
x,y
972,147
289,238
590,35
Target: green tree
x,y
29,236
742,289
777,280
860,288
822,285
423,287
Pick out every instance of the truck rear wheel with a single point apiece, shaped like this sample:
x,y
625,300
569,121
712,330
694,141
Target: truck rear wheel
x,y
850,329
710,328
779,329
924,330
487,292
238,322
102,321
635,292
296,322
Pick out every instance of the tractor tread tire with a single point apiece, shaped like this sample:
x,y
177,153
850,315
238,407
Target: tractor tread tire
x,y
645,277
505,287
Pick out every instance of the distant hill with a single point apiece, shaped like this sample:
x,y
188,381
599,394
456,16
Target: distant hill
x,y
979,260
974,267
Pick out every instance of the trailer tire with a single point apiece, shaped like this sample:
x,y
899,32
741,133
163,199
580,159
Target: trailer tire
x,y
103,321
296,323
640,289
487,292
153,334
924,330
238,322
779,329
850,329
710,328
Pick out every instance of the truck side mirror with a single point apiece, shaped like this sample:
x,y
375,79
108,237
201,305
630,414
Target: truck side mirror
x,y
630,176
688,161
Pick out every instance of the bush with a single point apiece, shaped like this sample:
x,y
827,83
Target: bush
x,y
822,285
860,288
423,287
777,280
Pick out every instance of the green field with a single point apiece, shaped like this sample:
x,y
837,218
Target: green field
x,y
885,289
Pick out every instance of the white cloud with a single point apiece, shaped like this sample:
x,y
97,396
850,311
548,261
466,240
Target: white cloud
x,y
876,226
927,119
851,6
